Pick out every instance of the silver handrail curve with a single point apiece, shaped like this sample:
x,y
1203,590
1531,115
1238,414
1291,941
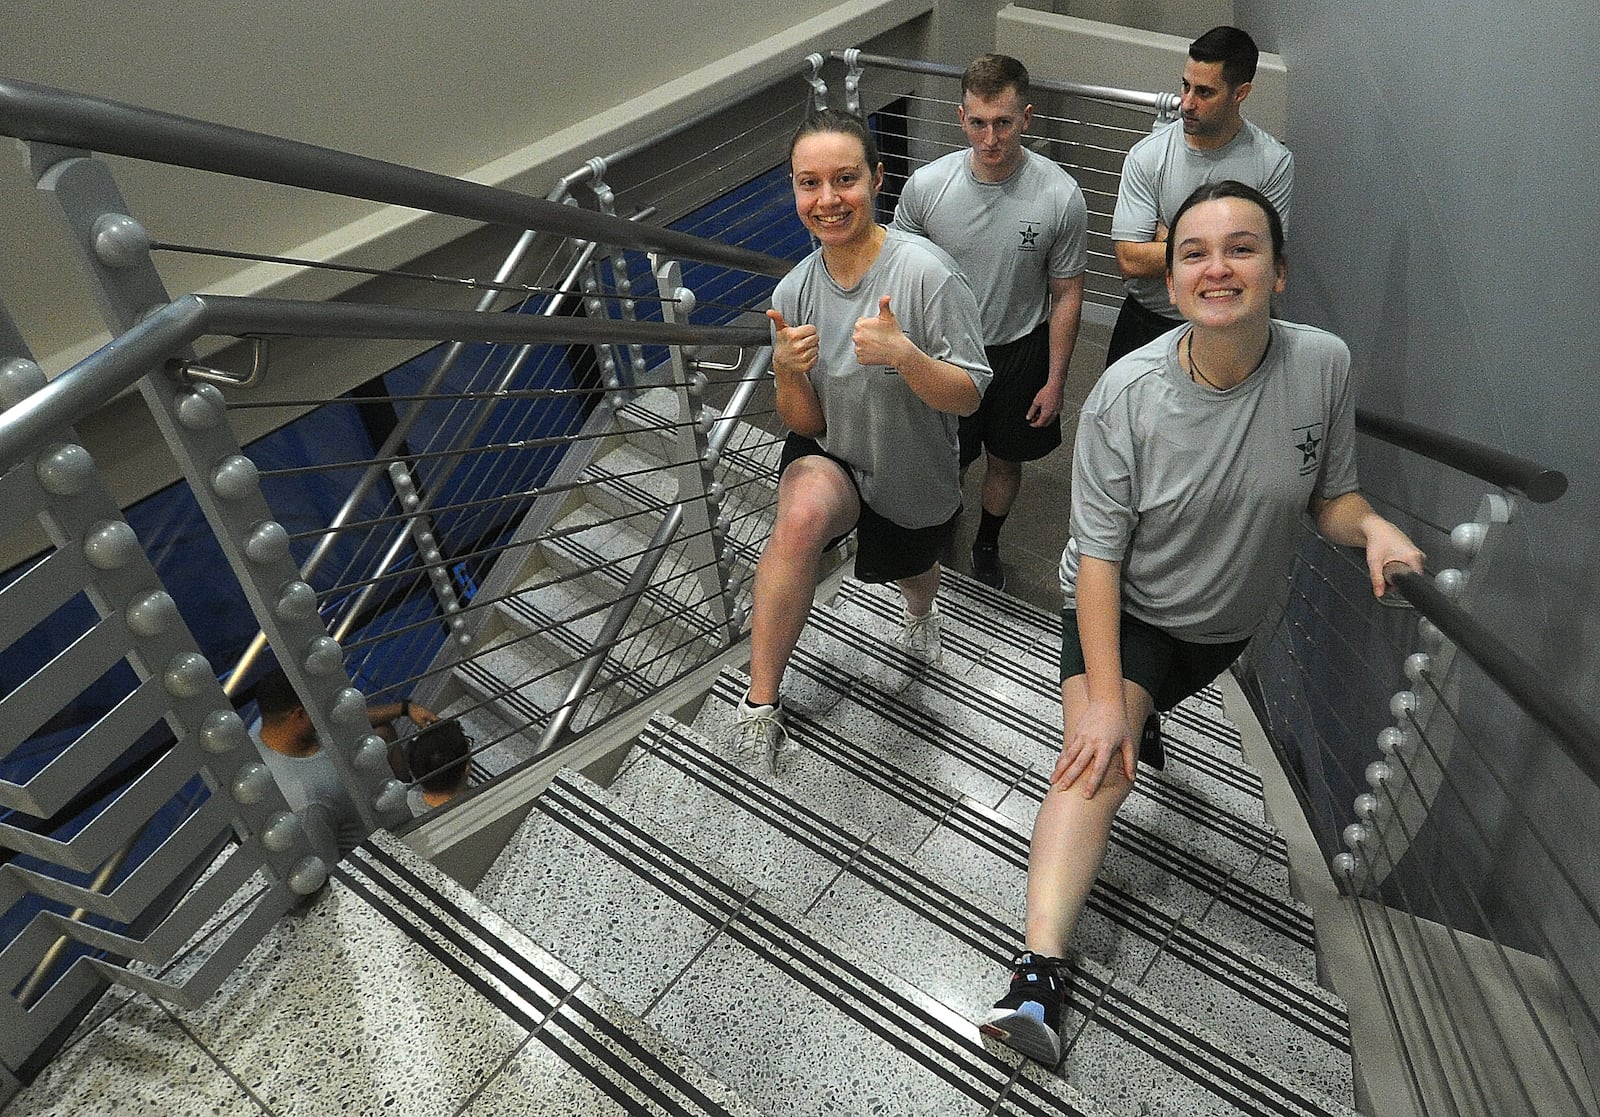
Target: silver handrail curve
x,y
1539,483
1573,727
98,377
57,116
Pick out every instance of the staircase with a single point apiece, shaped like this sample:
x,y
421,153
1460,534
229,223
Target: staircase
x,y
520,666
694,938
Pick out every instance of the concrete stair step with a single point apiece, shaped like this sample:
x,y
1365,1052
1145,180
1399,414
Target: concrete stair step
x,y
395,990
839,778
1027,664
756,991
954,942
981,737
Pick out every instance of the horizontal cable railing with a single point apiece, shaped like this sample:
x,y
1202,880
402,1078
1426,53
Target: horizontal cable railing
x,y
1481,969
505,503
1087,129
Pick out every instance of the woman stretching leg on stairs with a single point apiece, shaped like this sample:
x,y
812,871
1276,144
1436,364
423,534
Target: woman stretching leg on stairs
x,y
1196,456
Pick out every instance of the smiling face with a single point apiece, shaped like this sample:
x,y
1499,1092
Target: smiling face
x,y
834,188
1209,105
994,127
1224,270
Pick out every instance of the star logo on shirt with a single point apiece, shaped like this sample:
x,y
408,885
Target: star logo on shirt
x,y
1309,443
1029,232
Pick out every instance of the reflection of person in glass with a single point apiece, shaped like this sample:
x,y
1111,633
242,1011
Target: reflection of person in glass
x,y
1197,455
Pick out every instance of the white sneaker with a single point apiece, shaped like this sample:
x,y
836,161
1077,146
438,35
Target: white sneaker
x,y
760,735
920,636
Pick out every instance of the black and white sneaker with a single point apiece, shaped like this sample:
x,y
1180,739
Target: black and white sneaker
x,y
1028,1017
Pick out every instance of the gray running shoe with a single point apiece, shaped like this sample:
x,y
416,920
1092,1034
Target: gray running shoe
x,y
920,636
760,735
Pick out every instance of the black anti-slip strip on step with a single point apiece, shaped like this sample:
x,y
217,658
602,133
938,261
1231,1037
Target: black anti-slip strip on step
x,y
1218,883
627,1088
923,1036
1258,982
961,917
969,925
1043,684
907,1024
639,851
1223,1072
743,791
1252,837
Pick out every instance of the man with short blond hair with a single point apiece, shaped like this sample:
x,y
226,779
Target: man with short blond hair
x,y
1017,224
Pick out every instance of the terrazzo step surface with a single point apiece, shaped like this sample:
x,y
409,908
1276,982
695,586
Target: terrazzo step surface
x,y
651,422
523,687
602,552
1024,654
1192,859
497,746
564,617
767,1000
982,738
394,992
953,941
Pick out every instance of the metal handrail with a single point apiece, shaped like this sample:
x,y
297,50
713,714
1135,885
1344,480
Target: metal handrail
x,y
1159,103
396,437
57,116
1538,483
1577,732
644,574
100,376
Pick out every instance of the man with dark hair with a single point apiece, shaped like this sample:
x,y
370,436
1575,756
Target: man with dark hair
x,y
306,775
1211,141
439,757
1016,223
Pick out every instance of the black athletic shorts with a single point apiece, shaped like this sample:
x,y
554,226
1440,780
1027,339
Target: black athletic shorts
x,y
1000,424
1136,325
885,551
1169,669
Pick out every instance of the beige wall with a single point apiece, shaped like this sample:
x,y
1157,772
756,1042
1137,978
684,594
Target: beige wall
x,y
1084,50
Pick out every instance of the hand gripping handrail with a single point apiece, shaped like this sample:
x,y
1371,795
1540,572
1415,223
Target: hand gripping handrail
x,y
100,376
1538,483
57,116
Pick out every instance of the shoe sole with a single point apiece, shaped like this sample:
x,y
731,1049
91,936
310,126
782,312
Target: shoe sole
x,y
1026,1035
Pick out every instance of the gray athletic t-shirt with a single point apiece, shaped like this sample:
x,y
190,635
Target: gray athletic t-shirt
x,y
901,451
1199,493
1162,170
311,787
1010,238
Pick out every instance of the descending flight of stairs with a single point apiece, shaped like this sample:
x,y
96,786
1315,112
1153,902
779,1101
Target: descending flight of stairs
x,y
695,937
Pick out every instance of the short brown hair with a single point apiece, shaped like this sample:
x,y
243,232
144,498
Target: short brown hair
x,y
991,74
